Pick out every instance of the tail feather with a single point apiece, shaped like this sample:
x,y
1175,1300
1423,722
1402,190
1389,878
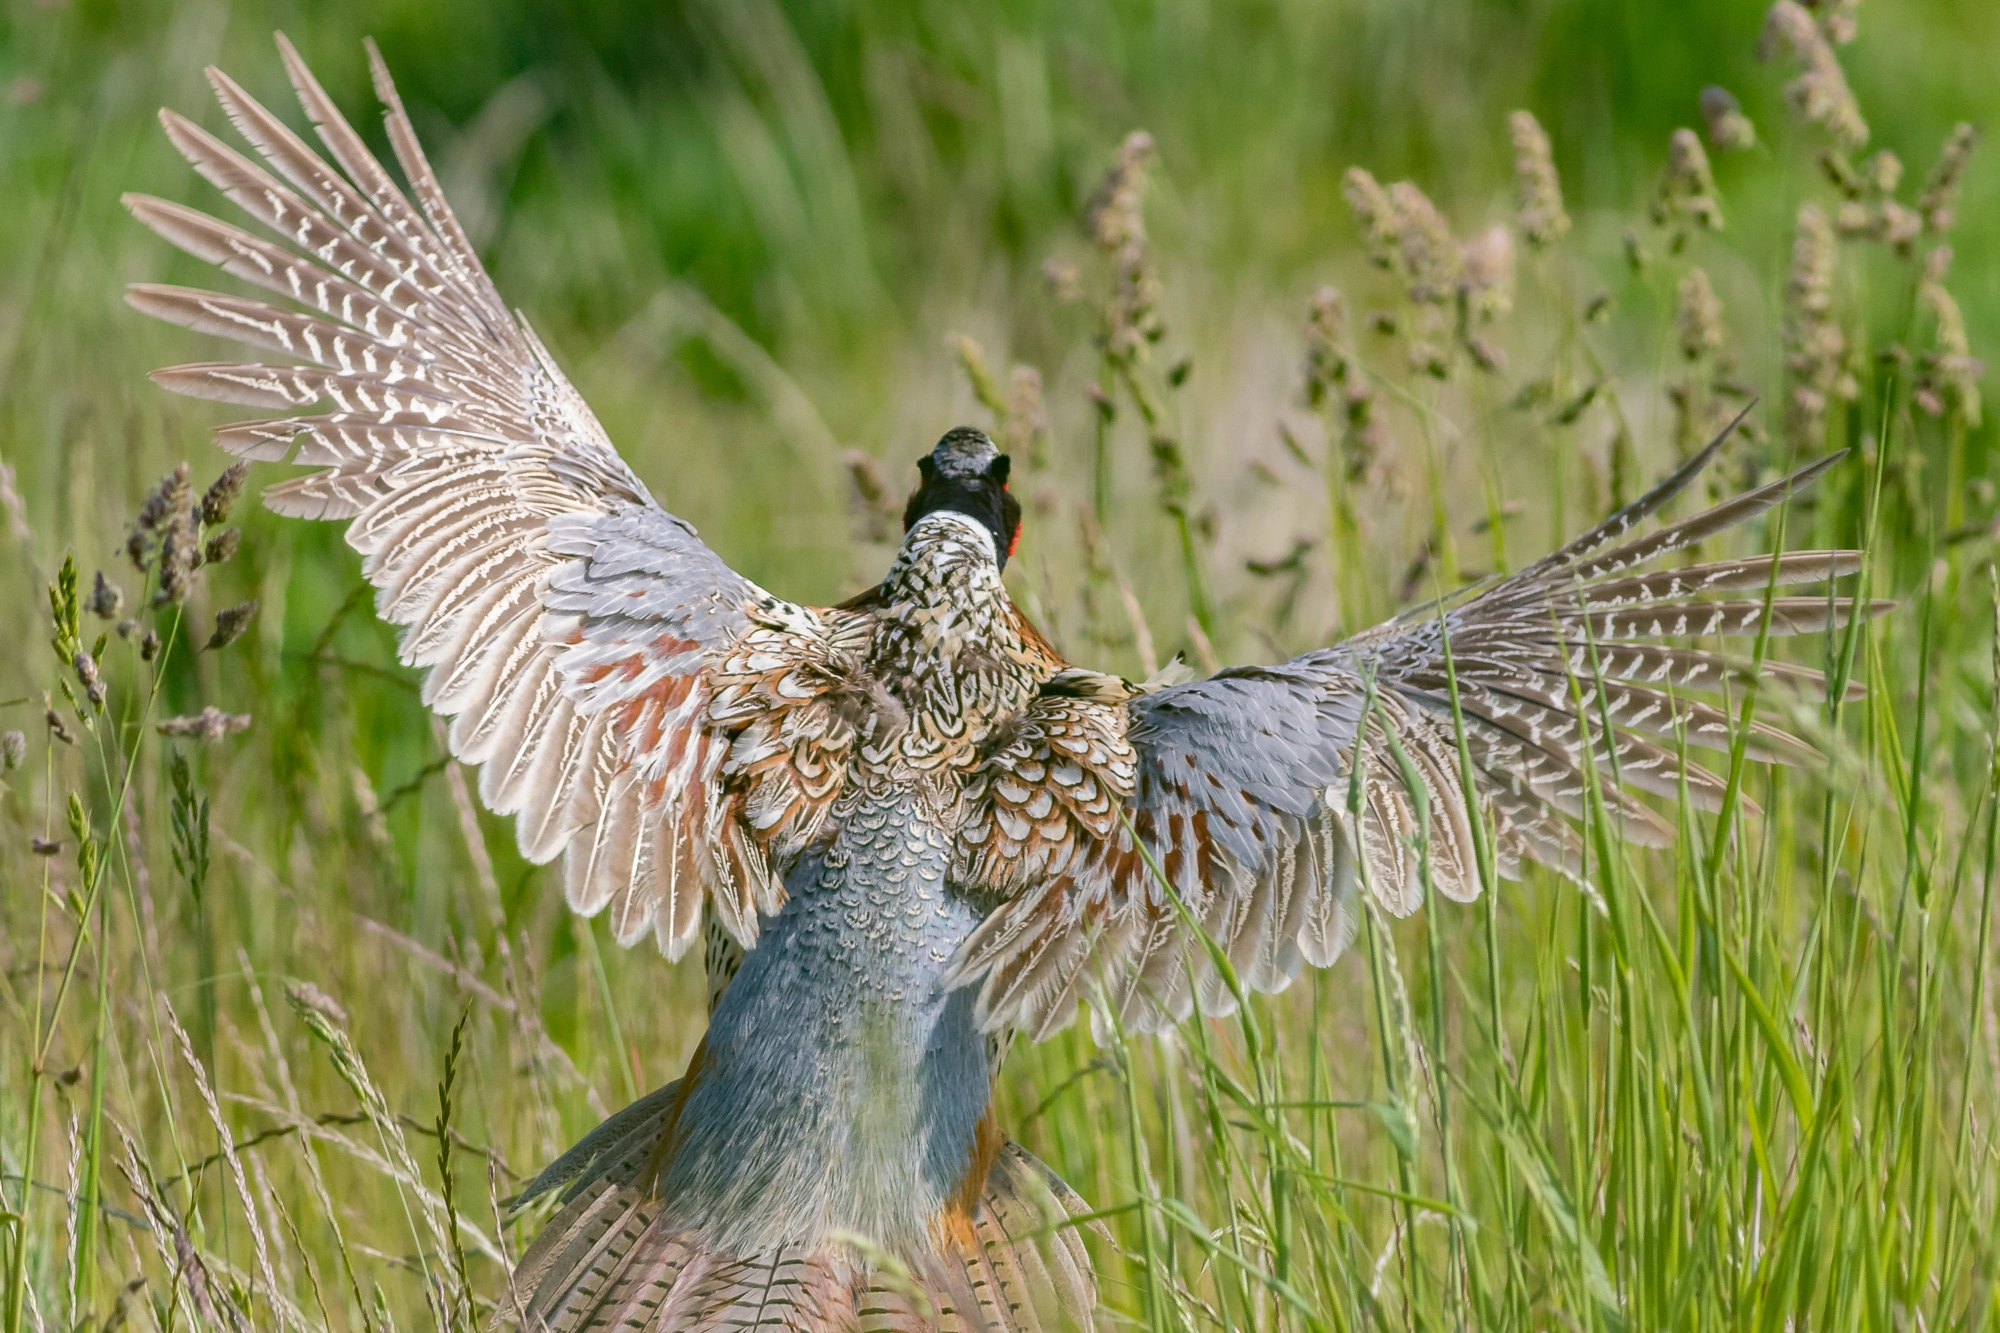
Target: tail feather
x,y
608,1262
1031,1258
615,1151
588,1266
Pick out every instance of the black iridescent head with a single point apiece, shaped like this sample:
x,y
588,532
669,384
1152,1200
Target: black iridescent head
x,y
967,475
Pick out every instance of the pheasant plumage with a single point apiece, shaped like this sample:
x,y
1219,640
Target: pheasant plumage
x,y
904,827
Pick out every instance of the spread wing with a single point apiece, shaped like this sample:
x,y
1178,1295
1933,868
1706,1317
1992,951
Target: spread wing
x,y
578,635
1237,787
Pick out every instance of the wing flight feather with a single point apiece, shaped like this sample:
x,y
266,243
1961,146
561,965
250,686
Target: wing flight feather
x,y
1235,791
566,622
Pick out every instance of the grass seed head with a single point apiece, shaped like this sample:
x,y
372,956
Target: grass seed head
x,y
873,504
1027,423
13,750
1117,215
1882,172
107,599
1940,194
1728,128
1486,274
1819,95
1329,345
1815,347
1898,226
1697,316
1431,258
162,507
1118,224
210,724
1538,199
1486,354
230,622
1687,188
1380,227
1838,19
1809,280
218,498
1948,374
1064,284
180,556
308,999
165,499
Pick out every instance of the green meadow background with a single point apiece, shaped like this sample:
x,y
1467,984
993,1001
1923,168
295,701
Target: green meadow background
x,y
1754,1085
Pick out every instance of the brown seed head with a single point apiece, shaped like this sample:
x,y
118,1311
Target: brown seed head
x,y
216,501
222,546
107,599
230,622
165,499
180,556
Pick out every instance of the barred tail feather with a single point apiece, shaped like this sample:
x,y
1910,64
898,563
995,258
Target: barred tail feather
x,y
609,1260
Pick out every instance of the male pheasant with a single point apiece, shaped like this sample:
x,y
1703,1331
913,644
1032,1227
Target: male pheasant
x,y
918,828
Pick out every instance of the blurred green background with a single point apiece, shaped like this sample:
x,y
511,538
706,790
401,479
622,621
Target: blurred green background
x,y
846,184
748,230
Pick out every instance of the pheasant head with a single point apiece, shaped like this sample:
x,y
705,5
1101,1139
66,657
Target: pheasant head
x,y
965,474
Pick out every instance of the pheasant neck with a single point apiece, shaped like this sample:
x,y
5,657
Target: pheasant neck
x,y
947,644
841,1085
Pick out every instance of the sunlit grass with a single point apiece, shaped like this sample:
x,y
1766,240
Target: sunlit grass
x,y
1749,1083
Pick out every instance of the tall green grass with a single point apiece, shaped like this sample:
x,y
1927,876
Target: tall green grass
x,y
286,1017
